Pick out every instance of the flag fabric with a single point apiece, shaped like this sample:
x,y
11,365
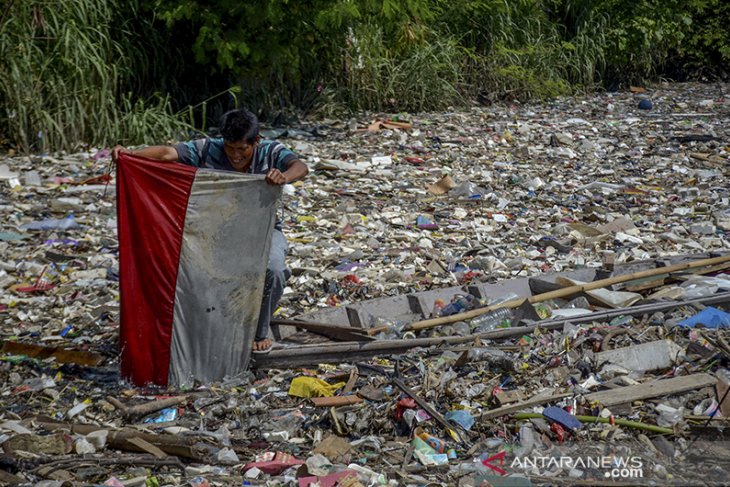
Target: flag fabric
x,y
193,250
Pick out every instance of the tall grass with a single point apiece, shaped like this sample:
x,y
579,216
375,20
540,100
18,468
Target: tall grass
x,y
488,50
524,55
375,75
60,79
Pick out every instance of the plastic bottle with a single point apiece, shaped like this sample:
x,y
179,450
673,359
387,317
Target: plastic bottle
x,y
367,476
491,320
470,468
438,306
503,299
527,440
669,416
461,328
457,305
493,356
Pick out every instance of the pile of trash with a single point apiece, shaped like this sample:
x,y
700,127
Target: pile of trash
x,y
591,388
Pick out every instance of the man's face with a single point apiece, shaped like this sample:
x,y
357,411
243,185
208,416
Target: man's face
x,y
240,152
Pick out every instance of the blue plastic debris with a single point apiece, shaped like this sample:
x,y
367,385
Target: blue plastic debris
x,y
562,417
168,414
461,417
709,318
645,104
425,223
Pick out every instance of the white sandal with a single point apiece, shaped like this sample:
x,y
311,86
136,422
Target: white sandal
x,y
263,351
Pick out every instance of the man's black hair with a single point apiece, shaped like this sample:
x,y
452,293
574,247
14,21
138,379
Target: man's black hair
x,y
239,125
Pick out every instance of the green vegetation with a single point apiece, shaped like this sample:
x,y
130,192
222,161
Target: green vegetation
x,y
79,72
61,80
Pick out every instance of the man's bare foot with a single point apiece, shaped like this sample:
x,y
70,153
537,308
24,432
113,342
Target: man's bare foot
x,y
262,345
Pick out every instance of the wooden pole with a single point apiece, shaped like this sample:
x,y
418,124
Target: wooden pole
x,y
176,445
348,351
342,333
558,293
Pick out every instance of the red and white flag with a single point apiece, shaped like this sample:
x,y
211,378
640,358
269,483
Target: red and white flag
x,y
193,249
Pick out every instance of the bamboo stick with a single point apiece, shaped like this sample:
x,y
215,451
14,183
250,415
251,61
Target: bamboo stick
x,y
598,419
558,293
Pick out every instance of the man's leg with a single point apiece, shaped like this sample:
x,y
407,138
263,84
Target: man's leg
x,y
276,277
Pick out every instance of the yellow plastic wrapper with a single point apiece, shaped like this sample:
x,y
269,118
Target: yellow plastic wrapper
x,y
312,387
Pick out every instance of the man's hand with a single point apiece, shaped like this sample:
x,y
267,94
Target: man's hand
x,y
275,177
162,153
117,150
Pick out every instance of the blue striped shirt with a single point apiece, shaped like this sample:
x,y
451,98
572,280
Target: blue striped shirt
x,y
209,153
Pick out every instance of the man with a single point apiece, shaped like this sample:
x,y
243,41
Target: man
x,y
241,150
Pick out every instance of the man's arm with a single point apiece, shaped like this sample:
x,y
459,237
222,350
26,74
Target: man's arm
x,y
296,170
157,152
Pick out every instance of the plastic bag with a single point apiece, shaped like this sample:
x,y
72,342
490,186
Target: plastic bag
x,y
312,387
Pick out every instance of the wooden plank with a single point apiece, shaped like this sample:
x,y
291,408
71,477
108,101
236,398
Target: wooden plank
x,y
620,395
721,388
174,445
508,397
644,284
385,306
418,305
343,352
335,401
342,333
513,408
648,390
540,286
425,405
353,316
683,276
350,382
62,355
475,291
147,447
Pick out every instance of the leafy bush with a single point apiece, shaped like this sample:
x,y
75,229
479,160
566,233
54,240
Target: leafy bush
x,y
705,52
